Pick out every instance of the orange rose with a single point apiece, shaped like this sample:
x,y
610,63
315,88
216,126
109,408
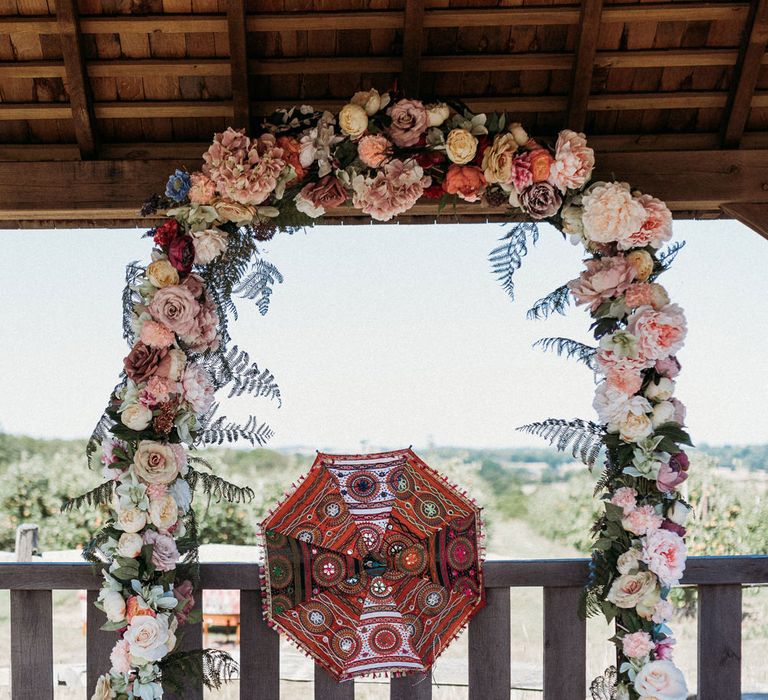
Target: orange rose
x,y
541,161
467,181
291,152
132,608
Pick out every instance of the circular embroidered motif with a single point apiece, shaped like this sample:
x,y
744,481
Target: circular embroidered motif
x,y
345,643
328,569
461,553
364,486
398,481
466,586
432,511
384,639
379,588
315,617
412,560
370,538
309,534
331,510
280,571
354,584
433,599
414,628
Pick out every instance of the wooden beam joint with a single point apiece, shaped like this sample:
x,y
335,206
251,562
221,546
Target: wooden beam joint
x,y
583,67
238,58
413,39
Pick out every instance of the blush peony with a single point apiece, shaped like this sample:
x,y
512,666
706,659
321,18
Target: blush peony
x,y
664,553
659,333
642,520
394,189
656,228
637,645
611,213
574,161
626,497
604,278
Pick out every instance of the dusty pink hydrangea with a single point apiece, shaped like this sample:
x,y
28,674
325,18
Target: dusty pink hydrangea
x,y
394,189
610,213
409,121
574,161
603,279
120,657
656,228
198,389
664,553
642,520
165,554
203,335
637,645
659,333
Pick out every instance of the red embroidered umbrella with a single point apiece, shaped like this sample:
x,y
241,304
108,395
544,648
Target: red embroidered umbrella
x,y
373,564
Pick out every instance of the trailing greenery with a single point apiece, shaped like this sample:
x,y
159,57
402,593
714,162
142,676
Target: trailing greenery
x,y
555,302
570,348
583,439
507,258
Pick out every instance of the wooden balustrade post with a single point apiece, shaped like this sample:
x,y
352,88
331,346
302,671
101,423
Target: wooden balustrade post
x,y
414,687
259,652
26,542
565,645
719,642
490,648
326,687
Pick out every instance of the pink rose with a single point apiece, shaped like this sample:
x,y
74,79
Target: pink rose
x,y
642,521
522,173
409,122
669,478
176,308
626,497
373,150
156,335
164,551
120,657
610,212
627,380
664,553
656,227
574,161
659,333
316,197
203,335
143,361
668,367
202,190
604,278
183,593
637,645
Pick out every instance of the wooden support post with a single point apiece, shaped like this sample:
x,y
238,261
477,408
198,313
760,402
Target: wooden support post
x,y
753,215
489,648
259,651
586,50
238,58
327,688
413,38
193,639
565,645
32,645
719,642
414,687
26,542
747,73
98,644
78,87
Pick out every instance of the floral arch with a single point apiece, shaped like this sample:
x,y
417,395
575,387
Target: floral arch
x,y
384,154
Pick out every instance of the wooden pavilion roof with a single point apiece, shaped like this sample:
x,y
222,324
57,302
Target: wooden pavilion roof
x,y
101,99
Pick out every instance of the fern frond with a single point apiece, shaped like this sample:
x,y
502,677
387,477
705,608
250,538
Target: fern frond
x,y
570,348
92,551
507,258
235,367
220,432
133,271
665,259
584,439
101,495
100,431
218,488
258,283
554,303
604,687
212,667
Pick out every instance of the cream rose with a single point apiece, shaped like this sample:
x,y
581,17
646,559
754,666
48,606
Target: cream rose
x,y
660,390
155,463
629,589
114,604
129,545
103,690
136,417
353,120
438,113
663,412
209,244
498,160
162,274
628,563
164,512
519,133
149,637
460,146
642,262
234,212
634,427
131,520
661,680
370,100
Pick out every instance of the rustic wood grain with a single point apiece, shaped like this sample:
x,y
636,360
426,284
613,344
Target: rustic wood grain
x,y
238,57
586,49
565,645
748,72
327,688
31,645
719,662
98,644
259,651
416,686
192,639
753,215
78,88
413,40
490,648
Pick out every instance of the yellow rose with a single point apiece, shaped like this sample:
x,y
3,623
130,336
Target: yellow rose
x,y
155,462
162,274
234,212
370,100
519,134
460,146
353,120
499,159
163,512
642,262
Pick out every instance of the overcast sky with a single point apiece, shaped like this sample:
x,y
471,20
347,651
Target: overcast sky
x,y
388,335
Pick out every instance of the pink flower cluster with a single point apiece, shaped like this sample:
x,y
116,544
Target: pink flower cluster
x,y
393,190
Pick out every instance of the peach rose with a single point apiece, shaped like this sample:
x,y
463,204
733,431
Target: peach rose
x,y
131,520
202,190
467,181
136,417
574,161
460,146
541,163
642,262
374,150
134,608
156,335
499,159
646,295
611,213
162,274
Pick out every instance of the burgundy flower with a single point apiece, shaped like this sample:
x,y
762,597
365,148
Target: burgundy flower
x,y
166,233
433,192
673,527
181,253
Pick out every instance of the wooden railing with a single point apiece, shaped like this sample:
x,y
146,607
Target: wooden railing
x,y
719,581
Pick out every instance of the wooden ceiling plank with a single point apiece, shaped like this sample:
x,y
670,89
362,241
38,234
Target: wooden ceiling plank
x,y
238,58
751,214
748,72
78,87
583,67
413,40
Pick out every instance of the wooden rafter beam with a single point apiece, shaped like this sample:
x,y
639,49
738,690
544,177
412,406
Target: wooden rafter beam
x,y
78,87
413,40
388,19
698,181
583,66
752,214
238,59
748,72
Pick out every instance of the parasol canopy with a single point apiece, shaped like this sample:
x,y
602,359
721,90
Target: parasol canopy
x,y
372,564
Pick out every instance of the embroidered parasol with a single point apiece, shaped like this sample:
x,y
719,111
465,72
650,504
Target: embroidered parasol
x,y
372,564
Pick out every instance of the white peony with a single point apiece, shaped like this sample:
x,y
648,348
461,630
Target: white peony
x,y
663,412
129,545
634,427
131,520
136,416
113,603
164,512
438,113
209,244
660,390
661,680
